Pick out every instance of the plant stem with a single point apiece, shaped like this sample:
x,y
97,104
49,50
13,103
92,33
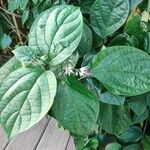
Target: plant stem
x,y
10,13
16,27
1,3
145,128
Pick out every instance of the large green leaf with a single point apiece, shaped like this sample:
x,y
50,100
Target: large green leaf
x,y
108,16
113,119
25,98
57,32
75,107
10,66
123,70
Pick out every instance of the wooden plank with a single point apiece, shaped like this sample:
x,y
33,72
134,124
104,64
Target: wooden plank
x,y
71,145
28,140
3,139
53,138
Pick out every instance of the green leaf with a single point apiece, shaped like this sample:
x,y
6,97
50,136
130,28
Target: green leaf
x,y
13,4
86,42
94,86
5,41
113,146
62,2
41,7
148,99
10,66
110,98
118,40
59,70
80,142
88,57
134,3
57,32
132,134
97,41
124,39
25,98
134,25
147,43
75,107
23,4
146,142
123,70
113,119
86,5
148,8
25,15
108,16
140,118
35,1
92,144
132,147
138,104
26,54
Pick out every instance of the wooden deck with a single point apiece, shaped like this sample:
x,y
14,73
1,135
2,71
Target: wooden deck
x,y
43,136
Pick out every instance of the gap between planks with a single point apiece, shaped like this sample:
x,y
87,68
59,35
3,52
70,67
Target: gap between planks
x,y
53,138
29,139
43,136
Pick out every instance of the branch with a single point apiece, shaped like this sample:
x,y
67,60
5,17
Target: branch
x,y
10,13
16,27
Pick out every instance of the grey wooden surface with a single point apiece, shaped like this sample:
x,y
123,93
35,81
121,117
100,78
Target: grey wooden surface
x,y
70,145
43,136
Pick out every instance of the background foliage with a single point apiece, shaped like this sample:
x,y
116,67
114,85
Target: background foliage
x,y
112,104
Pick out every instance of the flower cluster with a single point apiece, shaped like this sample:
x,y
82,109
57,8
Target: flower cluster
x,y
82,72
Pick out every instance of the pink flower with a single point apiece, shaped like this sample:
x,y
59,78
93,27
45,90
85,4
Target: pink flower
x,y
69,70
83,72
